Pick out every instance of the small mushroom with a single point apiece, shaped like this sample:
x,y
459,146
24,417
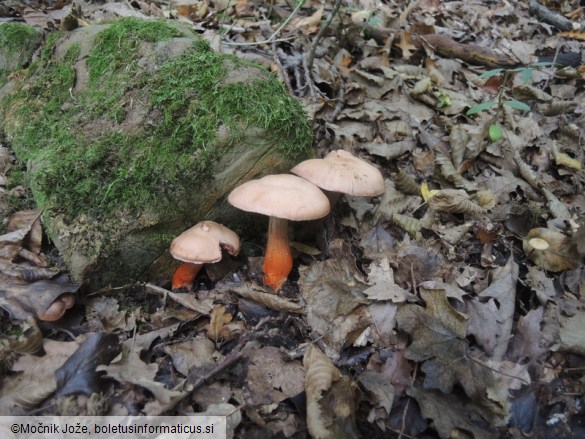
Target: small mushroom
x,y
57,309
282,197
550,250
342,172
199,245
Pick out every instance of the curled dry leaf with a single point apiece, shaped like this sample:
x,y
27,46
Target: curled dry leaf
x,y
219,318
320,372
562,159
454,234
458,138
410,225
454,201
449,172
320,375
271,301
550,250
28,339
406,183
528,92
45,298
579,239
486,199
29,220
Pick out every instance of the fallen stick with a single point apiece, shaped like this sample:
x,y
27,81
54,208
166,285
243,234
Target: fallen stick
x,y
547,16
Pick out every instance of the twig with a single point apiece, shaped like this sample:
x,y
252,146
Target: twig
x,y
309,79
404,15
256,43
233,357
340,98
110,289
550,76
403,422
477,361
317,39
546,15
285,76
272,38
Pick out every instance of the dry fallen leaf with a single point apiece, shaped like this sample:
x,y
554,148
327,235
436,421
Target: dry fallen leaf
x,y
310,25
271,377
260,295
197,352
34,378
454,201
219,318
383,286
330,411
128,368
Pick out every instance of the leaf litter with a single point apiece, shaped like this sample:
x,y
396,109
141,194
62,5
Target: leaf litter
x,y
434,309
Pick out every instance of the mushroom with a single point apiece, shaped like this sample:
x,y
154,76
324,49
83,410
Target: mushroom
x,y
57,309
282,197
342,172
201,244
550,250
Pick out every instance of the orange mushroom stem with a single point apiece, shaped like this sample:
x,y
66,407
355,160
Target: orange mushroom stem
x,y
278,260
185,275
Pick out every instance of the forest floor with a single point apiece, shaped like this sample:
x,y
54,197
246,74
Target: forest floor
x,y
450,306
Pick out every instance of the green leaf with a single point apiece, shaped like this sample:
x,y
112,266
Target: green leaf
x,y
527,75
517,105
495,132
481,107
444,99
374,21
490,73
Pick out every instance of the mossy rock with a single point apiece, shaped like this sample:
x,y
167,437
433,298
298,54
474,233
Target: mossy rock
x,y
135,130
18,42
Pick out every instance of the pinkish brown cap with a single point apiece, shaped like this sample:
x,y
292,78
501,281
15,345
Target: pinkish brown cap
x,y
340,171
282,196
202,243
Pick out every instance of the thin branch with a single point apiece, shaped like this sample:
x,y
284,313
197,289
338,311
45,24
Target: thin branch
x,y
272,38
284,73
317,39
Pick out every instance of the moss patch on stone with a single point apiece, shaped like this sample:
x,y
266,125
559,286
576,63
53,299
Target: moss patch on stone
x,y
80,150
18,41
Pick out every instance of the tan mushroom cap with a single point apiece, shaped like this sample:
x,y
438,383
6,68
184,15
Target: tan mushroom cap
x,y
341,171
202,243
282,196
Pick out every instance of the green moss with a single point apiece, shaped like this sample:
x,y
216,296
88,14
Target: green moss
x,y
152,168
115,47
18,41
